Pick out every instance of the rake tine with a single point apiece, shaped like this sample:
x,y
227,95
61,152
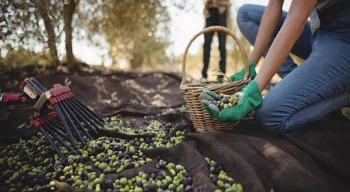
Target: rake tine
x,y
85,119
75,119
59,130
60,126
71,106
71,122
41,124
60,123
54,132
51,142
85,112
71,139
78,107
87,109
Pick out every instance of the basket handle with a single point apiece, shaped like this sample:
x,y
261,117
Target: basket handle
x,y
212,29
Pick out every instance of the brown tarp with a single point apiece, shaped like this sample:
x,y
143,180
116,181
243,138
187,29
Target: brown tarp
x,y
314,159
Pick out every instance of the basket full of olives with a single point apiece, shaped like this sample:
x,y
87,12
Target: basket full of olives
x,y
202,120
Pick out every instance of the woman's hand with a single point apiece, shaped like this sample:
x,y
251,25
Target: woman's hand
x,y
249,99
240,74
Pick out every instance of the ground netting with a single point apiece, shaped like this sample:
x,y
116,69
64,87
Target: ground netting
x,y
150,145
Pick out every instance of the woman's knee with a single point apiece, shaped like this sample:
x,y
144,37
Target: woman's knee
x,y
242,14
270,115
248,19
244,10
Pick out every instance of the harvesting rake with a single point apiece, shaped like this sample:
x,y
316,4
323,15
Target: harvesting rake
x,y
59,115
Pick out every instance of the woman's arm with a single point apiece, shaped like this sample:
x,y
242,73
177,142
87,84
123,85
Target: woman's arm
x,y
291,30
269,21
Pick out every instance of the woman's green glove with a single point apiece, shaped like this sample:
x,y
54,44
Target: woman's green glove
x,y
250,99
240,74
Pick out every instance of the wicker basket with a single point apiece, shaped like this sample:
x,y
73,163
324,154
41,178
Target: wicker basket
x,y
202,121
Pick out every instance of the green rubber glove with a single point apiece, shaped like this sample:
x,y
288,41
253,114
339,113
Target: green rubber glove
x,y
240,74
206,98
250,99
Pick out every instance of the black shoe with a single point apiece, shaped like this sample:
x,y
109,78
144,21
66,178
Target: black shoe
x,y
203,80
220,78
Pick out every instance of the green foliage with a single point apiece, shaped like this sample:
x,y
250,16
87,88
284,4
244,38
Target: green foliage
x,y
135,30
18,23
21,57
21,24
31,25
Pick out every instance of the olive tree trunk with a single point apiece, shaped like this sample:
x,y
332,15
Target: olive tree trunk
x,y
69,10
42,7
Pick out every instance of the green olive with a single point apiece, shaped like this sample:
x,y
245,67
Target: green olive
x,y
123,181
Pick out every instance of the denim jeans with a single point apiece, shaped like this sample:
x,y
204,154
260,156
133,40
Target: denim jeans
x,y
310,91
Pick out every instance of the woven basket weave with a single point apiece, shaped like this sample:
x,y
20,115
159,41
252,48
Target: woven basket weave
x,y
202,121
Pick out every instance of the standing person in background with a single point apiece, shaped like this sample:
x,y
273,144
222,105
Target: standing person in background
x,y
216,13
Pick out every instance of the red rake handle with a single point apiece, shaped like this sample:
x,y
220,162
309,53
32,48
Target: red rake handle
x,y
11,98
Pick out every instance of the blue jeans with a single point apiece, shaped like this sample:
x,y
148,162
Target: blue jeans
x,y
310,91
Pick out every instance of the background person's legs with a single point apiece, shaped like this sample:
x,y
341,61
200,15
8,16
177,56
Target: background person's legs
x,y
248,20
208,37
314,89
222,21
